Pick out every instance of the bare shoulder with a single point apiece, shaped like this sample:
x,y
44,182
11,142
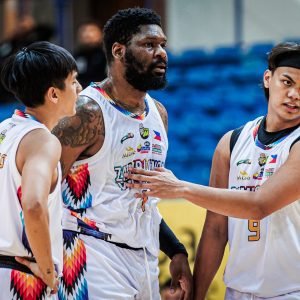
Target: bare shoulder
x,y
163,113
39,139
223,147
294,154
39,144
84,127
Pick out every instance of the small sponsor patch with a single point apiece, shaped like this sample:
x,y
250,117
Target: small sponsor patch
x,y
244,161
143,149
243,176
156,149
269,172
126,137
129,151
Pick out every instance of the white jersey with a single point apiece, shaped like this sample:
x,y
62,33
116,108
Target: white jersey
x,y
95,194
13,240
264,255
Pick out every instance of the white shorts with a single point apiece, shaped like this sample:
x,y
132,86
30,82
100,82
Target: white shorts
x,y
232,294
16,285
95,269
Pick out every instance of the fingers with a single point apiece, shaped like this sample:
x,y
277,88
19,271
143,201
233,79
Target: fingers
x,y
138,184
173,285
143,172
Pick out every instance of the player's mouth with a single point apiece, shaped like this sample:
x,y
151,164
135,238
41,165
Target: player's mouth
x,y
292,107
160,68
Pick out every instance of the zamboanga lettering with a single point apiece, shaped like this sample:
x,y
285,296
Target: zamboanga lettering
x,y
146,164
251,188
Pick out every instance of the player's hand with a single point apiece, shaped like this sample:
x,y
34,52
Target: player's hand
x,y
160,182
51,281
181,276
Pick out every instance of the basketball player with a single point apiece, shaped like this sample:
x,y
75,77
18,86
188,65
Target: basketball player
x,y
259,163
43,77
111,240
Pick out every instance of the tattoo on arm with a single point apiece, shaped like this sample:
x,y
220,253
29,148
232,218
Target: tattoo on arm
x,y
84,127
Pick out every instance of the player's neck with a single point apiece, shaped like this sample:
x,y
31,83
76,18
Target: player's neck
x,y
42,115
125,95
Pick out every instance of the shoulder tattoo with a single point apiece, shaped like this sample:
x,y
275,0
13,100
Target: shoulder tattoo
x,y
84,127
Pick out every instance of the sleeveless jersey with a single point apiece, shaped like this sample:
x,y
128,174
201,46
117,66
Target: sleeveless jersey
x,y
264,255
13,239
95,194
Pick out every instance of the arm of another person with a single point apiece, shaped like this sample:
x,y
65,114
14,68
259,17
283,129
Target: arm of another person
x,y
281,189
215,231
82,135
37,164
171,246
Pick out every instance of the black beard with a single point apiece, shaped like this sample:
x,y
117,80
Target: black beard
x,y
140,79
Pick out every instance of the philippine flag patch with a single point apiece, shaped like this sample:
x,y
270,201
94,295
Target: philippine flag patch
x,y
157,135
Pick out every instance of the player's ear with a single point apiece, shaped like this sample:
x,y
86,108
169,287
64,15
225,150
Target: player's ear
x,y
52,95
118,51
267,77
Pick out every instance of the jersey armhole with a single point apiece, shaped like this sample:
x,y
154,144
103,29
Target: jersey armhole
x,y
294,142
234,137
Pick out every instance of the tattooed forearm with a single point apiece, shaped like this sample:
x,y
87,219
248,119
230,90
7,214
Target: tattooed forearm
x,y
83,128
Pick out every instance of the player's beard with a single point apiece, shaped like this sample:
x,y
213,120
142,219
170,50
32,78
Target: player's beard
x,y
141,79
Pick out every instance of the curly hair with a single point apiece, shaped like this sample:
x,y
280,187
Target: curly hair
x,y
124,24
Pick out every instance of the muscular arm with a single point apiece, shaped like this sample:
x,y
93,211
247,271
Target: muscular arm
x,y
37,164
278,191
214,235
82,135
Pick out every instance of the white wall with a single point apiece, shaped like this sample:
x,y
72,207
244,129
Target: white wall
x,y
210,23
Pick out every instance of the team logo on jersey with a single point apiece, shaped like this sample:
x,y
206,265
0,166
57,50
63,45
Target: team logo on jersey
x,y
243,176
126,137
157,136
156,149
273,159
262,160
244,161
2,160
129,151
143,149
144,132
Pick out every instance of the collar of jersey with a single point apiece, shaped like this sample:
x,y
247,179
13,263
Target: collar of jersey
x,y
22,114
259,144
119,108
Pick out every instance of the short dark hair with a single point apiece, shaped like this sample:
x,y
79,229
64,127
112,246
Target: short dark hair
x,y
124,24
277,54
30,72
